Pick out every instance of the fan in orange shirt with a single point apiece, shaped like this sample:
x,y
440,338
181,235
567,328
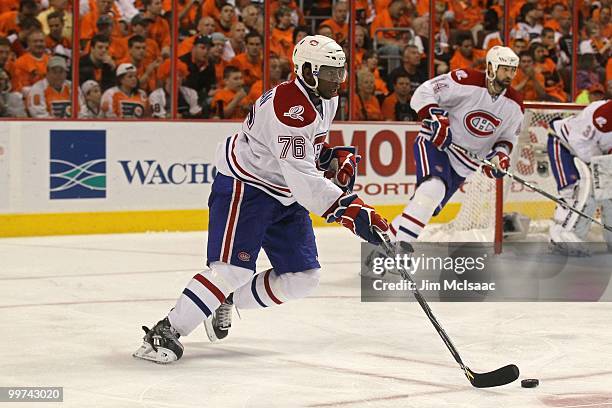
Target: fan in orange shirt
x,y
215,55
118,45
250,62
212,8
55,22
140,26
297,16
542,62
145,69
552,20
159,29
528,80
466,56
188,12
206,26
50,97
276,71
361,34
227,18
281,42
603,17
230,101
468,13
125,100
388,18
366,105
7,59
31,66
338,23
370,62
9,21
397,105
600,43
8,5
88,25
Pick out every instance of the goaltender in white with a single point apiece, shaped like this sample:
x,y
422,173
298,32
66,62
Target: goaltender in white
x,y
573,143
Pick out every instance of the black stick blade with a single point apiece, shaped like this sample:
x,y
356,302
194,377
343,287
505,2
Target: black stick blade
x,y
501,376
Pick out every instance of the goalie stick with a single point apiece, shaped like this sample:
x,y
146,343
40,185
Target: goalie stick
x,y
531,186
501,376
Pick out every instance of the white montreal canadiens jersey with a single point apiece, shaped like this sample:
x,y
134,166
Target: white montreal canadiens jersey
x,y
588,133
278,147
478,122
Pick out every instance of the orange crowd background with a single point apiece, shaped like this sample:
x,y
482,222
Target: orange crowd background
x,y
122,56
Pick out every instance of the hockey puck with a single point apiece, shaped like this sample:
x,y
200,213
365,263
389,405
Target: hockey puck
x,y
530,383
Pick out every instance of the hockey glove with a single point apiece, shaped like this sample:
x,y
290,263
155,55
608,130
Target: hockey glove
x,y
340,165
352,213
437,128
500,160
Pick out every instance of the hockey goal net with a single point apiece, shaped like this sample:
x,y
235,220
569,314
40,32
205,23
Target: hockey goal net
x,y
486,203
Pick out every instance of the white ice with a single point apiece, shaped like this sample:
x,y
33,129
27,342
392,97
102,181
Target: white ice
x,y
71,310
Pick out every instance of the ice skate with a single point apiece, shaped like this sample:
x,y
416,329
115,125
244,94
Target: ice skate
x,y
217,326
160,344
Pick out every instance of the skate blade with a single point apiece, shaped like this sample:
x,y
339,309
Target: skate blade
x,y
210,330
161,356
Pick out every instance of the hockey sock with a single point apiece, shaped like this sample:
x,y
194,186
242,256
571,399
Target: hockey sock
x,y
204,293
269,289
409,225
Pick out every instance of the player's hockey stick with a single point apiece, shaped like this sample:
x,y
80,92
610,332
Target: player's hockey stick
x,y
501,376
531,186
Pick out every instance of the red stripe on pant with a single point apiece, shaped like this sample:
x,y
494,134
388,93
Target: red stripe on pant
x,y
231,222
269,289
211,287
414,220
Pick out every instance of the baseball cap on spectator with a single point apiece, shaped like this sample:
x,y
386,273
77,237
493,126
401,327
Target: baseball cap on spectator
x,y
104,19
140,19
163,72
57,62
202,39
597,87
216,36
88,86
124,68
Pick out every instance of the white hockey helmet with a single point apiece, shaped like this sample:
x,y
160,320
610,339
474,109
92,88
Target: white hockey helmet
x,y
319,51
499,55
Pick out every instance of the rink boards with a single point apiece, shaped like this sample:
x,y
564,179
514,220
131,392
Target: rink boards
x,y
108,177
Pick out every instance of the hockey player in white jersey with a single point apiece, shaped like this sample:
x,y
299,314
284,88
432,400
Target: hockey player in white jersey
x,y
477,111
270,176
572,144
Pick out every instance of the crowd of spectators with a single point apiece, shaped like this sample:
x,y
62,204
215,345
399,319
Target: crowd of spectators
x,y
124,66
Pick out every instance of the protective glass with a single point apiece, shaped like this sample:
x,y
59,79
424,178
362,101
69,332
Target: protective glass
x,y
332,74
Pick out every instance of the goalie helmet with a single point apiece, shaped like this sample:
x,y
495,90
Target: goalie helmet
x,y
499,55
319,51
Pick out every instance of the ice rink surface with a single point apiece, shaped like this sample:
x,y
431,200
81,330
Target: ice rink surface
x,y
71,310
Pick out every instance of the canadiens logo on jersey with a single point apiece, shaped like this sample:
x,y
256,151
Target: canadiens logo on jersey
x,y
481,123
601,121
295,112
